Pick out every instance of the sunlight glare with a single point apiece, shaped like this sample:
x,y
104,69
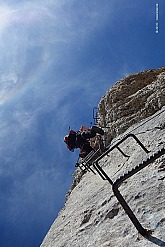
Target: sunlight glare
x,y
5,16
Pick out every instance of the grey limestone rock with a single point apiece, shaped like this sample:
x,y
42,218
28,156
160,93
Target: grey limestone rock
x,y
92,216
132,99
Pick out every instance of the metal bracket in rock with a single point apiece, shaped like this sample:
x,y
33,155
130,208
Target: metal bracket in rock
x,y
116,184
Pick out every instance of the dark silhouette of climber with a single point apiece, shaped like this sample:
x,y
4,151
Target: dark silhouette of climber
x,y
81,139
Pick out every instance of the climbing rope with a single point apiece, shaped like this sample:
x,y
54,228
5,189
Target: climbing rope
x,y
147,121
157,127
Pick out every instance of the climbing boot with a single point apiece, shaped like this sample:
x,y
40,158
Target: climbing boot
x,y
97,130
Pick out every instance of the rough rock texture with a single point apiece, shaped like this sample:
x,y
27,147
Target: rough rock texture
x,y
131,100
92,215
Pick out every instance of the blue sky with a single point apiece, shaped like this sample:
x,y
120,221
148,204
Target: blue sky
x,y
58,58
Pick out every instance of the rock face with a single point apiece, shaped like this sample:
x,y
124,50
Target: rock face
x,y
92,215
131,100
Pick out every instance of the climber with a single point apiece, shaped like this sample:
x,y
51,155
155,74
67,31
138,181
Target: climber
x,y
81,139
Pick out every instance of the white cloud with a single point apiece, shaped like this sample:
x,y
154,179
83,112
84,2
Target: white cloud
x,y
34,34
6,16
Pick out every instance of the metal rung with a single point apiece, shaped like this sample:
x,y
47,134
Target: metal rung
x,y
89,157
117,183
85,163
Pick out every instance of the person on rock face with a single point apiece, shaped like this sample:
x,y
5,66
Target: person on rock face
x,y
81,139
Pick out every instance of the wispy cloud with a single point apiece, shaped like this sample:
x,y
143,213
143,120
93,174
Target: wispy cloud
x,y
35,35
58,57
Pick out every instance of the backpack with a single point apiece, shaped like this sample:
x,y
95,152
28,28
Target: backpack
x,y
71,139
